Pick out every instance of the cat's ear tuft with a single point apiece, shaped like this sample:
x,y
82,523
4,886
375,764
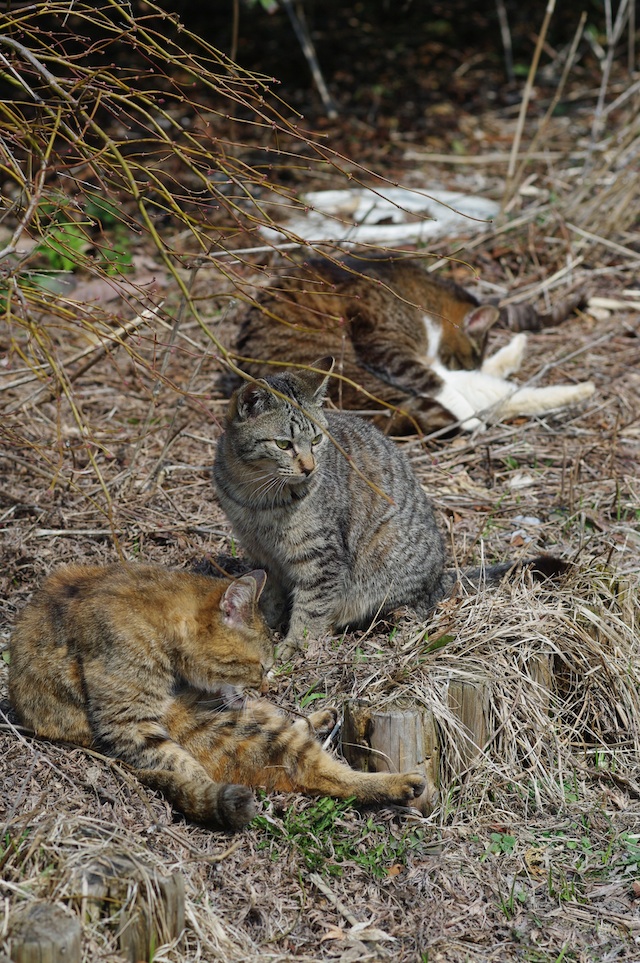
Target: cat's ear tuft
x,y
241,597
316,381
480,320
253,399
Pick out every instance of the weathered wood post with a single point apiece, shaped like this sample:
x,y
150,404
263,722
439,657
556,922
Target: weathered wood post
x,y
44,933
393,739
469,703
398,737
146,908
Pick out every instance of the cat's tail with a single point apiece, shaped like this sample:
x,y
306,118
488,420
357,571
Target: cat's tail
x,y
473,579
220,805
523,317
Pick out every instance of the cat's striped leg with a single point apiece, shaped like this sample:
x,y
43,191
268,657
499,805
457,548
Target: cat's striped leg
x,y
198,797
319,773
141,737
428,396
261,747
313,609
417,389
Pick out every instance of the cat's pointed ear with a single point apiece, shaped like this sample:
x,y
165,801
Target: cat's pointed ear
x,y
241,597
316,382
480,320
253,399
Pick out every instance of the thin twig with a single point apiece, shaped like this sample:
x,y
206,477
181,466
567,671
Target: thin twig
x,y
320,884
525,101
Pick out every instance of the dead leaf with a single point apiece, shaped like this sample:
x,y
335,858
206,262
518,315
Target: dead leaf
x,y
333,933
362,931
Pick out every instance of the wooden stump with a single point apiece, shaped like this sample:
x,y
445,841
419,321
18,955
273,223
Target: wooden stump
x,y
469,702
393,739
44,933
540,669
401,737
146,908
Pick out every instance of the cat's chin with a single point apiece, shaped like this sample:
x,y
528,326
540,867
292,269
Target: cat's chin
x,y
294,480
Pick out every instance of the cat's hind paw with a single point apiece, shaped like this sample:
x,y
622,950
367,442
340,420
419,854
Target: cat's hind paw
x,y
323,721
236,806
582,391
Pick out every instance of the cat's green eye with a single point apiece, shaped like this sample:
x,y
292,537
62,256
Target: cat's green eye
x,y
316,440
284,443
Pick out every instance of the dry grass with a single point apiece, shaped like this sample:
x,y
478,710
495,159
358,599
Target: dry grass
x,y
110,418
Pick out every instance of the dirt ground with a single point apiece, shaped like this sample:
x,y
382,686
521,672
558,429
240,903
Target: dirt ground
x,y
533,850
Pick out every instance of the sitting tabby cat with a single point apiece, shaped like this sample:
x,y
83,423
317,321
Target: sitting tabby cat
x,y
403,339
142,661
337,552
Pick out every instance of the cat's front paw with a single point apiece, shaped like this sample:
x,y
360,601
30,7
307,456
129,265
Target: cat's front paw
x,y
236,806
409,786
287,650
507,360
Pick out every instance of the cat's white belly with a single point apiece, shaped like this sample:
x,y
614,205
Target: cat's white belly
x,y
477,389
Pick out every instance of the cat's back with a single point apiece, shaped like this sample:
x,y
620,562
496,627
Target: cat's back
x,y
374,485
45,677
372,514
322,295
74,596
367,451
46,619
340,307
92,605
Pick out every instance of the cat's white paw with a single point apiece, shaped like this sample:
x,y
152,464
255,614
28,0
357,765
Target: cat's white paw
x,y
455,402
538,401
507,359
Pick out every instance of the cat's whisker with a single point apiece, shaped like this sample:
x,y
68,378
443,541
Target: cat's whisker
x,y
274,483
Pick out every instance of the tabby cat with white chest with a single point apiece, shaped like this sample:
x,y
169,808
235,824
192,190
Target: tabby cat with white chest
x,y
402,338
292,479
144,663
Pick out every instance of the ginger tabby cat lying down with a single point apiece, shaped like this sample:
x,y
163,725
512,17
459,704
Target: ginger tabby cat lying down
x,y
144,662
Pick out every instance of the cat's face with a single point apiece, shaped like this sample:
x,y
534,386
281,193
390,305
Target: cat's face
x,y
278,425
464,336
